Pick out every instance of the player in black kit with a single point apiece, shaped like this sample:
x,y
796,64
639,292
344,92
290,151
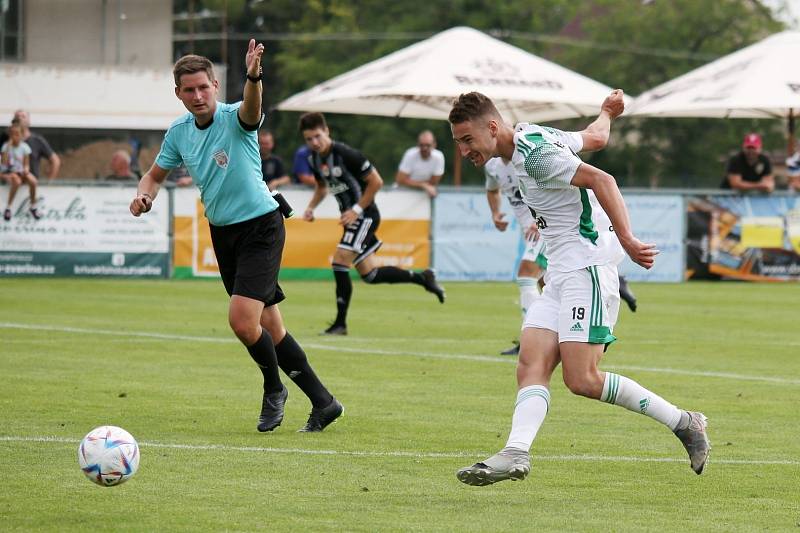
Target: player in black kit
x,y
352,179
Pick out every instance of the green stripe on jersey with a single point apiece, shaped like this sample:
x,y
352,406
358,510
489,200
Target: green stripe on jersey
x,y
587,228
535,138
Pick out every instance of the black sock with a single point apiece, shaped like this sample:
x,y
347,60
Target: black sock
x,y
293,361
390,274
344,289
263,353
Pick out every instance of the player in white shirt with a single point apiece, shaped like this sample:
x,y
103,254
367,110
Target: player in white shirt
x,y
572,322
501,180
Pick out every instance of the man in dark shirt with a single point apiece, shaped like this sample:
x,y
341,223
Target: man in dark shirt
x,y
271,164
353,180
749,170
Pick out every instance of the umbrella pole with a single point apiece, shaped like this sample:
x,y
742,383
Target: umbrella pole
x,y
790,141
456,166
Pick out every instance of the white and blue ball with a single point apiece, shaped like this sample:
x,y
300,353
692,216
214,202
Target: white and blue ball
x,y
108,456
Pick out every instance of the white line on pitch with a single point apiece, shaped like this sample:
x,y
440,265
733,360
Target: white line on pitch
x,y
413,455
371,351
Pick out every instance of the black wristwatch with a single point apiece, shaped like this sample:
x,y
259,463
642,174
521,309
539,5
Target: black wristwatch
x,y
254,79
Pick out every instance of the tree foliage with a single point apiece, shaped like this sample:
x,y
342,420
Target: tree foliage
x,y
622,43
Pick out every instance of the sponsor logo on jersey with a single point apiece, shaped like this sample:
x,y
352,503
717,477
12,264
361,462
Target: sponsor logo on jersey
x,y
336,172
221,158
337,187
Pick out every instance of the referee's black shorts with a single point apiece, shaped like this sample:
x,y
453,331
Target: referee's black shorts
x,y
249,257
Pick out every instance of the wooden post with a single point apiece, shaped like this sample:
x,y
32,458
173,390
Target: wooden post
x,y
456,166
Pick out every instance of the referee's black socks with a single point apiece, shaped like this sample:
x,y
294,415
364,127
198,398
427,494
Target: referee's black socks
x,y
293,361
263,353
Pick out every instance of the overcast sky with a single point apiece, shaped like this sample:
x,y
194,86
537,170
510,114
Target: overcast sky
x,y
794,11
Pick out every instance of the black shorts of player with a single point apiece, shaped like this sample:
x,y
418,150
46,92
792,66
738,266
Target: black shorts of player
x,y
359,237
249,257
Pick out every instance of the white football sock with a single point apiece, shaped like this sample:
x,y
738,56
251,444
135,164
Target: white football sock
x,y
533,402
625,392
528,292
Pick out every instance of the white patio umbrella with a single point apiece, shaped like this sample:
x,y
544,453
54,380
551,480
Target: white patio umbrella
x,y
759,81
421,80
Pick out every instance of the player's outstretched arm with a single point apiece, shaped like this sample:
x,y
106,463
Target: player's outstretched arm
x,y
147,190
596,135
250,110
607,192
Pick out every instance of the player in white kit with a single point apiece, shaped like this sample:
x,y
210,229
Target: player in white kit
x,y
501,180
572,322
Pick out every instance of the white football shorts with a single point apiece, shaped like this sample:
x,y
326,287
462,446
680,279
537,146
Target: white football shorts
x,y
581,306
534,252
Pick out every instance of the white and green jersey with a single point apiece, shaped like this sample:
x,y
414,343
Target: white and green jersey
x,y
545,161
501,175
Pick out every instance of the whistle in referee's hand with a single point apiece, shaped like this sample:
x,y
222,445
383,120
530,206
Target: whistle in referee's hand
x,y
283,206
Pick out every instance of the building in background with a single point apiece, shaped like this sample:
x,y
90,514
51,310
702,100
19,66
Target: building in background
x,y
93,74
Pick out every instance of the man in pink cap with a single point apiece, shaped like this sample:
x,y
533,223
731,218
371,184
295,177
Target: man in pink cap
x,y
749,170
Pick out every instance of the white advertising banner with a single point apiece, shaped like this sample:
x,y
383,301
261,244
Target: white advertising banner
x,y
85,231
467,246
659,219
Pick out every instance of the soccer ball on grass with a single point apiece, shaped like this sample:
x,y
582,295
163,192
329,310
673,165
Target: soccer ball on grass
x,y
108,456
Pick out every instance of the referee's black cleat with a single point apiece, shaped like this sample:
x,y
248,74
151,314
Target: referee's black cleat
x,y
335,329
320,418
272,410
626,294
431,286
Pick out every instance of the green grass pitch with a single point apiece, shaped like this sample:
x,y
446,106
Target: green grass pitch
x,y
425,394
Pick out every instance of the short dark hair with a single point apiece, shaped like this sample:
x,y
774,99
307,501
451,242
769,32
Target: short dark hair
x,y
191,64
312,121
470,106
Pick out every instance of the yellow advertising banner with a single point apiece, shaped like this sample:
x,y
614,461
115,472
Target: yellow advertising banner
x,y
762,232
404,230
